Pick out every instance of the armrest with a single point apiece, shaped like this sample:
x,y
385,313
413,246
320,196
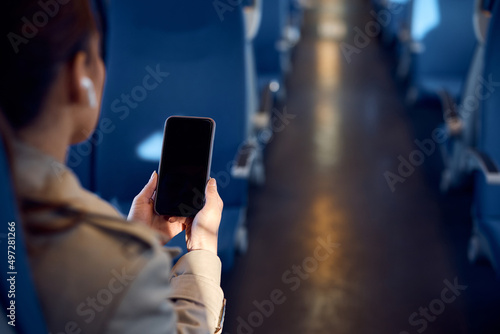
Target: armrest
x,y
262,118
451,115
483,162
449,104
405,37
266,97
244,159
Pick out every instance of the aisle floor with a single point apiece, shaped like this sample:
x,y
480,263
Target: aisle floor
x,y
332,248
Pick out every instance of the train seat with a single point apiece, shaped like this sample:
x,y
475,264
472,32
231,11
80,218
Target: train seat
x,y
28,314
166,59
485,240
438,52
461,118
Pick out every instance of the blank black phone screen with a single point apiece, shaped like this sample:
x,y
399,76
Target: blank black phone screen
x,y
185,166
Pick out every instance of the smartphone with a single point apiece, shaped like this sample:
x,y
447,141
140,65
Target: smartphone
x,y
184,165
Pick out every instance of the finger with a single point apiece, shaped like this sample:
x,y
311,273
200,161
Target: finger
x,y
212,198
153,198
149,189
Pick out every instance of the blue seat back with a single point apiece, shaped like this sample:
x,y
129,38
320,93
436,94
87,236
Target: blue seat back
x,y
488,5
487,196
445,31
268,57
28,315
80,159
296,12
204,57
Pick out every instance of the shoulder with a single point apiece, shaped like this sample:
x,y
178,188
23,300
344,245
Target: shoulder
x,y
84,265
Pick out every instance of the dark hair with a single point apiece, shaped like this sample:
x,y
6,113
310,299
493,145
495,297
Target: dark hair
x,y
37,38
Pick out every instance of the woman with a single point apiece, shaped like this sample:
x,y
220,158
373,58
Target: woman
x,y
94,271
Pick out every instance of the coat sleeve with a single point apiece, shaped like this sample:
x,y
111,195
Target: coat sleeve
x,y
187,299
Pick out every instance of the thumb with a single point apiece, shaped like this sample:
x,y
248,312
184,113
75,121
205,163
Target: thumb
x,y
212,198
149,189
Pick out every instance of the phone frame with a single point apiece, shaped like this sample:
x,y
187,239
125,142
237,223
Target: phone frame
x,y
210,153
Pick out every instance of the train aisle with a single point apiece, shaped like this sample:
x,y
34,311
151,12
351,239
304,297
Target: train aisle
x,y
333,249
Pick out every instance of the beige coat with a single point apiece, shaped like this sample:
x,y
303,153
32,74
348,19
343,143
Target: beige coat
x,y
97,273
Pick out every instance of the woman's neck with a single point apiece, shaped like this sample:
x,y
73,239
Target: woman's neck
x,y
51,136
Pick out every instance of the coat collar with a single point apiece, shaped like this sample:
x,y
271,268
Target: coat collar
x,y
40,177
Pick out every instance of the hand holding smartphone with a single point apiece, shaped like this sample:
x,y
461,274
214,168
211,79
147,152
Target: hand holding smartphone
x,y
184,166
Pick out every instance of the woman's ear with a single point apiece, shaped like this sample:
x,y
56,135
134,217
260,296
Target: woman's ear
x,y
89,87
82,90
86,80
83,98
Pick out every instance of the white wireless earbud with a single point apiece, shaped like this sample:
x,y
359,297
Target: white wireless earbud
x,y
89,86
